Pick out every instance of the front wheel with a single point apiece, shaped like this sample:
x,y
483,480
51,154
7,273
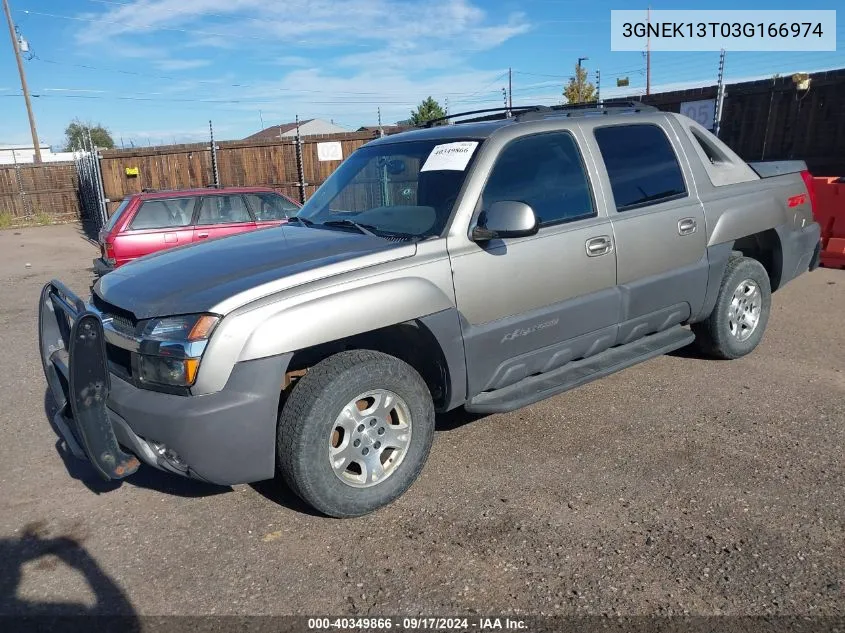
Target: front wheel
x,y
355,432
739,318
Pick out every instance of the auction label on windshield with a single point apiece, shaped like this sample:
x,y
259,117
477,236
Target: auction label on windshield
x,y
452,156
731,30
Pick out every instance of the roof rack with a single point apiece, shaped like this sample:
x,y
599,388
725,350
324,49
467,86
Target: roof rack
x,y
589,108
504,110
538,112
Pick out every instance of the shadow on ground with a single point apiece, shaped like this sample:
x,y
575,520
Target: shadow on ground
x,y
88,231
145,477
48,553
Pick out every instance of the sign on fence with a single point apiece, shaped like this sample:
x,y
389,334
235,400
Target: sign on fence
x,y
702,112
330,151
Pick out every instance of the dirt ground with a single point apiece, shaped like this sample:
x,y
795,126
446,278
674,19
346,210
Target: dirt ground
x,y
680,486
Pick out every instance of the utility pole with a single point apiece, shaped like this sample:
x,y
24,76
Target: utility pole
x,y
505,98
578,76
648,56
24,87
720,94
510,90
598,86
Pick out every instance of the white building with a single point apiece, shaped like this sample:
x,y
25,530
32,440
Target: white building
x,y
21,154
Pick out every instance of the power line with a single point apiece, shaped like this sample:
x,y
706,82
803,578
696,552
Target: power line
x,y
235,85
273,38
145,26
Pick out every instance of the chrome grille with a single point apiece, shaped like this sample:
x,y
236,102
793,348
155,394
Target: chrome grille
x,y
121,323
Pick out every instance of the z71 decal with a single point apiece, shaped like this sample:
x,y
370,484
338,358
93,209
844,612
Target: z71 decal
x,y
529,330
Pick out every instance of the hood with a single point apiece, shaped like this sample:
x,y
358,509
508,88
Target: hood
x,y
196,277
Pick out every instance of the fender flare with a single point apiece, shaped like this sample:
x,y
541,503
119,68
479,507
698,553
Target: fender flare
x,y
343,314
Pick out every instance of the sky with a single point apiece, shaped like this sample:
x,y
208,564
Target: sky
x,y
156,71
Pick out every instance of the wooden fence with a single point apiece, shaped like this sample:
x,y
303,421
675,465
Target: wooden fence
x,y
239,163
30,193
771,120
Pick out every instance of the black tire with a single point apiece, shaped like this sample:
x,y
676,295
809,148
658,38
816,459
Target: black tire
x,y
307,422
713,335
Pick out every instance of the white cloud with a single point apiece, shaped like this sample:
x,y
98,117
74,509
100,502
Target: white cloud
x,y
290,60
181,64
343,58
448,24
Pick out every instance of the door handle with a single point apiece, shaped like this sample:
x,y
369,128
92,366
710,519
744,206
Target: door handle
x,y
600,245
687,226
202,236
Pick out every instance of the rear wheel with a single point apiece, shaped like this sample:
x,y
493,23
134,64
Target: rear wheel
x,y
355,432
739,318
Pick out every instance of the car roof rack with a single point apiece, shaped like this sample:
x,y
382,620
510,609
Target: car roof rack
x,y
589,108
539,112
503,110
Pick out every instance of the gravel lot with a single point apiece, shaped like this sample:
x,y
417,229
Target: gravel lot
x,y
678,486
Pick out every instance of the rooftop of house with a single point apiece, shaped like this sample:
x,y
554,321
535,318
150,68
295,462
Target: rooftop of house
x,y
274,131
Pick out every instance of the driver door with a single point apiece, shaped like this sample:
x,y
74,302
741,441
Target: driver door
x,y
531,304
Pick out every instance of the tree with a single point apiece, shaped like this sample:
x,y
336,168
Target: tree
x,y
76,135
426,111
579,90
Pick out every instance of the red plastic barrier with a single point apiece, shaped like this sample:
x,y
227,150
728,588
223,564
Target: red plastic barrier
x,y
829,212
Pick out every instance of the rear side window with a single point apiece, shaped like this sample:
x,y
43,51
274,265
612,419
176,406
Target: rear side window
x,y
223,210
269,206
641,165
116,215
164,213
545,172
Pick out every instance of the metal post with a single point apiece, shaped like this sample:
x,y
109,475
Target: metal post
x,y
300,168
214,170
510,91
505,97
578,77
648,56
720,94
380,130
99,191
24,86
598,86
768,120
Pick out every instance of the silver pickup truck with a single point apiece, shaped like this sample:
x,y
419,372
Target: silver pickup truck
x,y
483,264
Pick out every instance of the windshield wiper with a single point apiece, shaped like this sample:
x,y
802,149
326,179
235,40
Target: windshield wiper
x,y
405,236
363,228
305,221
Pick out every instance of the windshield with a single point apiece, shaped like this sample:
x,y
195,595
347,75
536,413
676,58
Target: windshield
x,y
402,189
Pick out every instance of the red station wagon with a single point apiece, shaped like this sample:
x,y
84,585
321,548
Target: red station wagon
x,y
148,222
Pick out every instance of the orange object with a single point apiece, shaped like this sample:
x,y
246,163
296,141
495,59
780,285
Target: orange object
x,y
202,328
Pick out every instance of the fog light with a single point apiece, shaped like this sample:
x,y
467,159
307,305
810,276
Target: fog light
x,y
169,455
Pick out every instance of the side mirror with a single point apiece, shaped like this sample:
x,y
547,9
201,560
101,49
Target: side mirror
x,y
505,219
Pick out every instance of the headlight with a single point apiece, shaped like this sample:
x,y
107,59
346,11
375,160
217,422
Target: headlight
x,y
168,371
190,327
171,348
